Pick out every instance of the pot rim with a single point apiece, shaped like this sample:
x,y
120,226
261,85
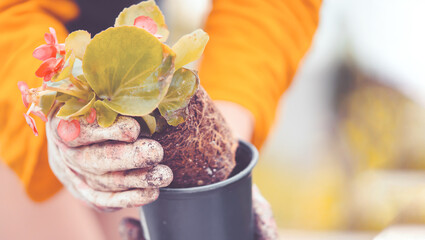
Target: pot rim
x,y
246,171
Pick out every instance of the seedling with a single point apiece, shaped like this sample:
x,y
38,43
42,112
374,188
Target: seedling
x,y
124,70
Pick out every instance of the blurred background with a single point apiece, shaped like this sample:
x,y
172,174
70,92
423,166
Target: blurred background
x,y
347,152
346,156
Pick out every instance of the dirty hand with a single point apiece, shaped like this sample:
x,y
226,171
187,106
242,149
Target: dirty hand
x,y
265,225
108,168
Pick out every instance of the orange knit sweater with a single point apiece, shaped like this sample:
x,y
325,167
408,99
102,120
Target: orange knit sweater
x,y
253,53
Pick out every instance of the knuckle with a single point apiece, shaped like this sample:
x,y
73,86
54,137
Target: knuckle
x,y
159,176
128,127
96,184
148,195
148,150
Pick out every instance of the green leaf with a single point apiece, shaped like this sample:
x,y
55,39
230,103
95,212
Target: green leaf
x,y
66,87
105,116
182,88
161,123
121,65
81,78
150,123
167,65
190,47
77,42
61,97
47,101
75,107
165,71
146,8
81,85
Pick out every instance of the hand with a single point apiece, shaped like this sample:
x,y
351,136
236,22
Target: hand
x,y
265,225
108,168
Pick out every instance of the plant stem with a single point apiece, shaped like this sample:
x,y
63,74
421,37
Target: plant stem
x,y
78,94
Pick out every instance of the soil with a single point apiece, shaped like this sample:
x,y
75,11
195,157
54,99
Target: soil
x,y
201,150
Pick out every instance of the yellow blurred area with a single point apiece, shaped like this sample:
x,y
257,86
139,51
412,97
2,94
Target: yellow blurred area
x,y
368,171
369,177
305,200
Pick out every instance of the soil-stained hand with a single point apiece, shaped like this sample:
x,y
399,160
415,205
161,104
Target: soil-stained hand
x,y
265,225
108,168
130,229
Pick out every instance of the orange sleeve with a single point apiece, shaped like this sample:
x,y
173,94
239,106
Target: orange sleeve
x,y
22,28
253,53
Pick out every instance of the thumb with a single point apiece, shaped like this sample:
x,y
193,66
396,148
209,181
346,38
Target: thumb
x,y
130,229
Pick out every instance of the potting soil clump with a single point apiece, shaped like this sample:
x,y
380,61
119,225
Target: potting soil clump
x,y
128,70
201,150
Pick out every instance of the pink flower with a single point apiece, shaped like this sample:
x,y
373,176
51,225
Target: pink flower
x,y
40,114
92,116
68,130
23,87
31,96
36,110
47,53
148,24
31,123
49,68
51,48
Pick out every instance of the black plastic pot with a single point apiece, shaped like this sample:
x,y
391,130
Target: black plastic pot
x,y
219,211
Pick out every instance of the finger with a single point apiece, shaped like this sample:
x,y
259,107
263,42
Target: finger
x,y
155,177
65,175
59,170
126,199
67,178
100,200
130,229
113,156
104,200
125,129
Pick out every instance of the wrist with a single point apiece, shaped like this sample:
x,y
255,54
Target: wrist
x,y
240,120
